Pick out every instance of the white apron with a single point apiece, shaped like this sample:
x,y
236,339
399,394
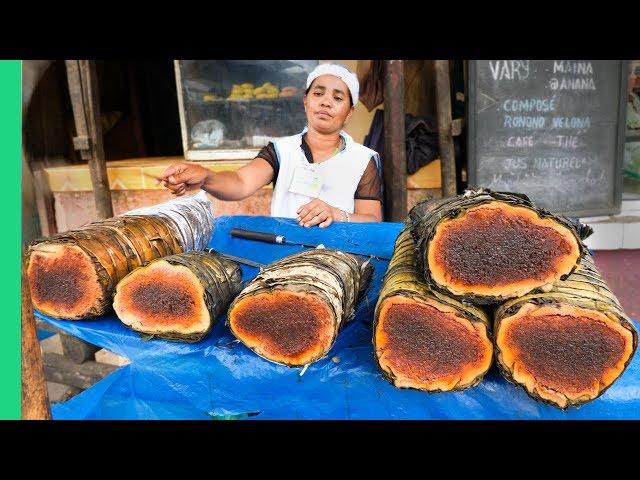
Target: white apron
x,y
339,174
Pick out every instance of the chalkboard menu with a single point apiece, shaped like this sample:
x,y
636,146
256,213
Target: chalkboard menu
x,y
552,129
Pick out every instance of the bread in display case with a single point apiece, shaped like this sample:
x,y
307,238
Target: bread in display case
x,y
229,109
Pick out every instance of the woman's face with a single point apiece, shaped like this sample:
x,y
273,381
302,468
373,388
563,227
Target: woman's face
x,y
327,104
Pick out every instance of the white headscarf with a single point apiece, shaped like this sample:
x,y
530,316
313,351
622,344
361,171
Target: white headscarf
x,y
342,73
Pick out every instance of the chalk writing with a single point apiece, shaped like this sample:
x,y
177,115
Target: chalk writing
x,y
580,123
567,141
549,129
564,163
529,105
511,121
520,142
515,163
565,83
509,69
568,66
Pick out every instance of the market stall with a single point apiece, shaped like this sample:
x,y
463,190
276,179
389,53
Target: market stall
x,y
219,377
222,373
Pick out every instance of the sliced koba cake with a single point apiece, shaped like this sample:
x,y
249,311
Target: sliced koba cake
x,y
423,339
485,247
568,345
178,297
292,311
72,275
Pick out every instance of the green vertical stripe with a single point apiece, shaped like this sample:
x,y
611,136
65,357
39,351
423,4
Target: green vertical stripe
x,y
10,238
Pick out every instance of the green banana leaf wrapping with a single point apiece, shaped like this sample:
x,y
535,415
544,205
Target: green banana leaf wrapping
x,y
72,275
494,254
331,279
221,281
439,340
582,344
112,248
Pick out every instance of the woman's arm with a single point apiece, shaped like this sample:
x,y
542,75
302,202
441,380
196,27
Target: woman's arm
x,y
367,211
317,212
367,206
235,185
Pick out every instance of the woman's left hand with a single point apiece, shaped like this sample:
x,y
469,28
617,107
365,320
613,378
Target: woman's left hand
x,y
316,212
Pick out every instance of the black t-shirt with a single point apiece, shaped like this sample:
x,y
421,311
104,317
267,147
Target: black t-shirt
x,y
369,187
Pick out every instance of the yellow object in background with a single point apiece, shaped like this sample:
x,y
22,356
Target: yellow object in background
x,y
288,91
246,91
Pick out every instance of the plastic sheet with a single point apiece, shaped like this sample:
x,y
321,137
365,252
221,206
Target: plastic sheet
x,y
220,378
43,334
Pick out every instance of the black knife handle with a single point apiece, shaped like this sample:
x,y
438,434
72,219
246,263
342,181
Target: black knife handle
x,y
259,236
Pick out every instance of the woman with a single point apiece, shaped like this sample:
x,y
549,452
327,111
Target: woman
x,y
320,175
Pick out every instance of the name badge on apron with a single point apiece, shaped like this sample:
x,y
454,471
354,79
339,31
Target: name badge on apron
x,y
306,180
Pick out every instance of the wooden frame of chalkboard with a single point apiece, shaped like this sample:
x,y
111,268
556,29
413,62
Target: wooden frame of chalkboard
x,y
609,208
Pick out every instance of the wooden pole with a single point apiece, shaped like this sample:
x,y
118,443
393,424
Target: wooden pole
x,y
85,100
35,400
395,161
83,89
44,201
445,137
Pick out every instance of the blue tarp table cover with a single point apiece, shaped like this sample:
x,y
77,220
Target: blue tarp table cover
x,y
219,377
43,334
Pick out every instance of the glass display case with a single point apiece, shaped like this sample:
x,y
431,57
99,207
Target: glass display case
x,y
229,109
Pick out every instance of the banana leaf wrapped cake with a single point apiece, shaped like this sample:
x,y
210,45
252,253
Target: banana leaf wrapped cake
x,y
73,274
292,311
423,339
178,297
485,247
567,345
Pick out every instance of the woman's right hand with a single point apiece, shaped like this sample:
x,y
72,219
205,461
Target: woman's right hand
x,y
184,177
